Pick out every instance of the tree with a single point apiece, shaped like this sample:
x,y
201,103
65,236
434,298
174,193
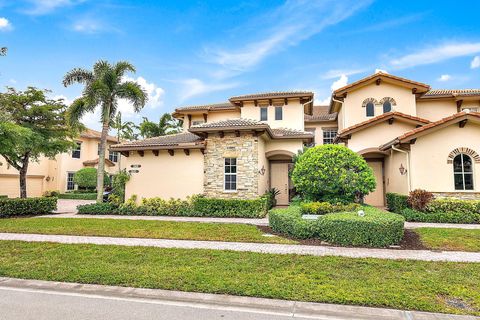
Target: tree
x,y
332,173
124,131
103,87
3,51
86,178
31,126
166,125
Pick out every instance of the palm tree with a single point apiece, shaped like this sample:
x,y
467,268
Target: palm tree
x,y
166,125
124,131
103,86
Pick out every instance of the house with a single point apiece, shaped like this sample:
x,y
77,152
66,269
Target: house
x,y
57,174
410,135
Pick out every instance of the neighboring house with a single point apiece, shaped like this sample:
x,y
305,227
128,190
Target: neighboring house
x,y
57,174
411,136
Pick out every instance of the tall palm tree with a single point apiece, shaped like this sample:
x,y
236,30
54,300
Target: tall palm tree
x,y
103,86
124,131
166,125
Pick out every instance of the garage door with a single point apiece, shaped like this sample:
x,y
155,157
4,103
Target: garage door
x,y
10,186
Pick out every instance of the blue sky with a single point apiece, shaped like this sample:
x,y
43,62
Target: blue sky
x,y
195,52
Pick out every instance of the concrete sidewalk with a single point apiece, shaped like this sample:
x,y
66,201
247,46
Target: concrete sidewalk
x,y
425,255
206,306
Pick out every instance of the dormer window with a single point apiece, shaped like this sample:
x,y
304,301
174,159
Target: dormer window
x,y
370,109
263,113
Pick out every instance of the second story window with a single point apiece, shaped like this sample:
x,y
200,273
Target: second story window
x,y
197,122
263,114
76,153
278,113
113,156
329,135
387,107
370,109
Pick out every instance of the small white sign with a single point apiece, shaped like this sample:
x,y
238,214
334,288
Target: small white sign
x,y
310,216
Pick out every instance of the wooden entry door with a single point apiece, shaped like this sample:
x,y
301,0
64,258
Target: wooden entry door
x,y
377,197
279,181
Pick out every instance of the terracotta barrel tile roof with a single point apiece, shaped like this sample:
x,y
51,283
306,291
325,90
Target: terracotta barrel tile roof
x,y
450,93
94,162
283,132
240,122
273,95
321,117
179,139
93,134
208,107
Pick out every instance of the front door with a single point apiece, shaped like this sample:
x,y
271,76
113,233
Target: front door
x,y
279,181
376,197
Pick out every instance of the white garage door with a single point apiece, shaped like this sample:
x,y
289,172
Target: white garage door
x,y
10,186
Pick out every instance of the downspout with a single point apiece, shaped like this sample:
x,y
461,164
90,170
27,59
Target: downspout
x,y
343,118
303,106
408,165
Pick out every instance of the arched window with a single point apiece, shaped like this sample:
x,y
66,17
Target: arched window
x,y
463,172
387,107
370,109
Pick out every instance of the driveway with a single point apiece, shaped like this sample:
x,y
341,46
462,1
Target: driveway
x,y
70,206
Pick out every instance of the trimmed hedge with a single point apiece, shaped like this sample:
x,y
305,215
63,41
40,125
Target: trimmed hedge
x,y
27,207
196,206
326,207
78,196
375,229
440,217
396,202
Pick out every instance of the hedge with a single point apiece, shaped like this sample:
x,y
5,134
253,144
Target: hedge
x,y
396,202
375,229
440,217
78,196
196,206
327,207
27,207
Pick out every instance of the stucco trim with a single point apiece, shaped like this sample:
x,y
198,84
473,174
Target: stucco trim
x,y
372,150
463,150
279,153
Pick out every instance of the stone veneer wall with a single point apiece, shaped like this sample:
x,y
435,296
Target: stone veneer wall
x,y
245,149
458,195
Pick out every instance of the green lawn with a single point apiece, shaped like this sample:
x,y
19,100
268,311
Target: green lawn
x,y
139,229
450,239
412,285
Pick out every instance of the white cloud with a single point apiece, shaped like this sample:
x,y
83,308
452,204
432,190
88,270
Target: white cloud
x,y
195,87
154,92
40,7
475,62
323,102
444,77
335,73
65,99
5,25
87,26
380,70
341,82
288,25
436,54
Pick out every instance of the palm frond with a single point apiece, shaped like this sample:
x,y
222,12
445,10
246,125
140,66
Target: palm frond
x,y
100,67
134,93
77,110
122,67
77,75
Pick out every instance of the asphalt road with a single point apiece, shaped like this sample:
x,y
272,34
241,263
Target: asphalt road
x,y
26,304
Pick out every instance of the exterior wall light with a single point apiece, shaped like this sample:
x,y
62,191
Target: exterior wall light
x,y
262,171
402,170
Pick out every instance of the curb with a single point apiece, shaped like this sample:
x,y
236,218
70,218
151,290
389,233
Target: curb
x,y
219,301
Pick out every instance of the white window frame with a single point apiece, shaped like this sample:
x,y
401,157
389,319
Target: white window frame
x,y
113,156
329,132
266,113
79,149
463,172
225,174
281,112
73,183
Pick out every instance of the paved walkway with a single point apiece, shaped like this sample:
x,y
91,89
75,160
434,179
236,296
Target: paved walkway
x,y
426,255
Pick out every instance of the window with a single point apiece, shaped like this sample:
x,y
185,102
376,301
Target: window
x,y
230,179
70,183
263,114
387,106
278,113
329,135
113,156
197,122
463,172
370,109
77,150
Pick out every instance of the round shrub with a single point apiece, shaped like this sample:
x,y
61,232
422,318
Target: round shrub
x,y
86,178
332,173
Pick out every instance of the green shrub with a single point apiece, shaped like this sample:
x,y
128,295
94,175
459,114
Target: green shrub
x,y
51,193
78,196
396,202
239,208
332,173
418,199
118,183
467,207
27,206
412,215
375,229
3,197
327,207
97,208
161,207
86,178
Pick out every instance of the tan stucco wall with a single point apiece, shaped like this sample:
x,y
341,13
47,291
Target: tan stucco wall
x,y
429,167
436,110
224,115
292,114
292,145
374,136
354,113
394,181
165,176
319,126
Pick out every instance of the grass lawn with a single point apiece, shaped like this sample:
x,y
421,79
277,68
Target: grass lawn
x,y
450,239
413,285
139,229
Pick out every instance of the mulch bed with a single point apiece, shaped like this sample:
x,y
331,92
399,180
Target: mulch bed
x,y
410,241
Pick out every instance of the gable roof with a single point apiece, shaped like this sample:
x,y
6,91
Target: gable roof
x,y
93,134
381,76
172,141
320,114
383,117
413,134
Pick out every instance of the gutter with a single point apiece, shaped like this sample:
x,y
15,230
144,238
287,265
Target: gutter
x,y
408,166
341,103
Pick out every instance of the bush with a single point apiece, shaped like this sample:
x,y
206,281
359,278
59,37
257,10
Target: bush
x,y
51,193
332,173
78,196
466,207
396,202
375,229
439,217
327,207
97,208
418,199
238,208
161,207
27,207
3,197
118,184
86,178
